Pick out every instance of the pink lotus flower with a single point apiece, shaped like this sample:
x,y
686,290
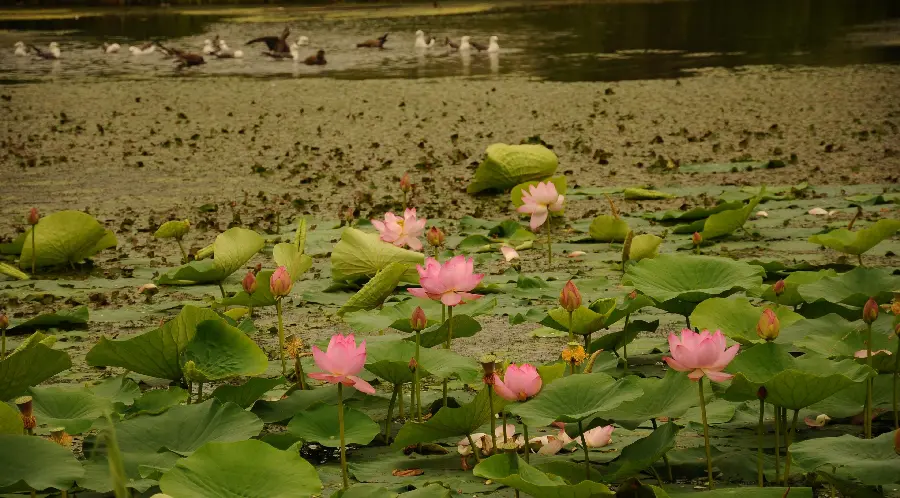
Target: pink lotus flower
x,y
862,353
509,253
280,282
33,216
597,437
450,283
483,441
549,444
341,362
249,282
701,354
403,231
576,254
539,201
519,383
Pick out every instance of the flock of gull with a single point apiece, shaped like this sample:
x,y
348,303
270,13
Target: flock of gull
x,y
278,48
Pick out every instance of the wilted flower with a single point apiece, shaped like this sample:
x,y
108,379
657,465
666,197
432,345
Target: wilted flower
x,y
862,353
819,421
539,201
341,363
294,345
768,325
249,282
509,253
762,392
817,211
59,436
701,354
570,297
418,321
762,214
435,237
597,437
281,283
26,411
576,254
870,311
449,283
574,353
33,216
148,291
519,382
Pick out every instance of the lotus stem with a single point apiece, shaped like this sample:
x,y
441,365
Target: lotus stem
x,y
659,480
199,392
587,457
3,347
490,389
665,457
759,436
896,376
280,336
859,259
184,256
33,251
447,344
777,443
388,422
404,201
412,401
33,493
505,437
787,449
65,493
298,372
571,331
475,450
417,380
190,386
341,427
222,290
116,465
869,382
709,471
527,442
549,242
625,351
400,409
687,319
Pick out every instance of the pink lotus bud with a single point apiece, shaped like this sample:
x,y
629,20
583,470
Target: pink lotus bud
x,y
413,365
4,321
280,284
435,237
570,298
870,311
778,288
418,321
405,184
762,392
257,268
249,282
632,294
768,326
33,216
697,239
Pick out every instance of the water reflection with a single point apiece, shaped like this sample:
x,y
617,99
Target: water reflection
x,y
495,62
466,57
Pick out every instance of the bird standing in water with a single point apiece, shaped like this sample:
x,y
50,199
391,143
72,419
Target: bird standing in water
x,y
376,43
316,60
450,43
420,40
21,49
111,48
185,59
52,52
276,44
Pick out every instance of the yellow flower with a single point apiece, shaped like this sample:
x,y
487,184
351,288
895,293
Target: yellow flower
x,y
574,353
294,345
60,437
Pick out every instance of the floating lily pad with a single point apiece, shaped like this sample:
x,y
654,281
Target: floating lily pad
x,y
513,471
73,409
853,288
449,422
245,469
607,228
390,361
859,241
319,424
62,319
509,165
64,238
691,278
29,367
36,462
726,222
220,351
642,453
232,249
576,398
697,213
736,317
376,290
360,256
642,194
792,283
246,394
872,462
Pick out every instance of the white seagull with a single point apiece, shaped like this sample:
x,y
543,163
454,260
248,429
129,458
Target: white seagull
x,y
464,45
21,50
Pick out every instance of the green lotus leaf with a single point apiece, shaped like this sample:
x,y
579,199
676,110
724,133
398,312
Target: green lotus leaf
x,y
64,238
511,470
691,278
615,341
510,231
179,431
697,213
246,394
13,272
725,222
14,248
74,409
515,194
860,241
390,361
450,422
376,290
736,317
10,420
28,367
463,326
696,226
644,246
175,229
300,235
608,228
261,298
157,401
360,255
319,424
397,315
576,398
584,320
627,307
642,194
671,396
62,319
834,337
220,351
157,353
792,283
793,383
509,165
853,288
748,492
296,402
246,469
367,491
643,453
37,463
292,258
117,389
872,462
232,249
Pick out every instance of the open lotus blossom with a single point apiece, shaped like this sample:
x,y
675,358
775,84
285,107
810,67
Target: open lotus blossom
x,y
862,353
701,354
547,445
597,437
403,231
519,382
341,362
539,201
509,253
449,283
817,211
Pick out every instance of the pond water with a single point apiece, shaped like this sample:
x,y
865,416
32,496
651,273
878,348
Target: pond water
x,y
599,41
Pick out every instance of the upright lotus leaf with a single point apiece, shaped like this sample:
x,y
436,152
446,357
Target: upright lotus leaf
x,y
300,235
117,389
360,255
37,462
451,422
74,409
29,367
511,470
872,462
62,319
832,325
627,307
691,278
157,353
854,287
642,194
377,290
246,394
834,337
725,222
608,228
736,317
509,165
463,326
242,469
584,320
792,283
174,229
515,195
859,241
792,383
643,453
319,424
157,401
644,246
670,397
10,420
292,258
697,213
65,238
576,398
220,351
390,361
296,402
232,249
615,341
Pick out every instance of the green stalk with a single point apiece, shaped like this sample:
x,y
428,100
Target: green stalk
x,y
687,319
587,458
490,389
417,381
759,436
116,465
341,427
896,375
787,450
625,347
712,484
412,401
447,343
527,442
869,382
184,256
190,386
665,456
475,449
298,372
505,437
280,336
222,290
571,339
33,249
199,392
400,408
388,425
549,242
3,346
777,443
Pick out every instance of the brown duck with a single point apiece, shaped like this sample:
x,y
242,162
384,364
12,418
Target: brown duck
x,y
316,60
185,59
452,44
276,44
376,43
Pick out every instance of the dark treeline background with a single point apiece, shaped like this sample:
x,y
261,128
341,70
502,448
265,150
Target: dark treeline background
x,y
153,3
